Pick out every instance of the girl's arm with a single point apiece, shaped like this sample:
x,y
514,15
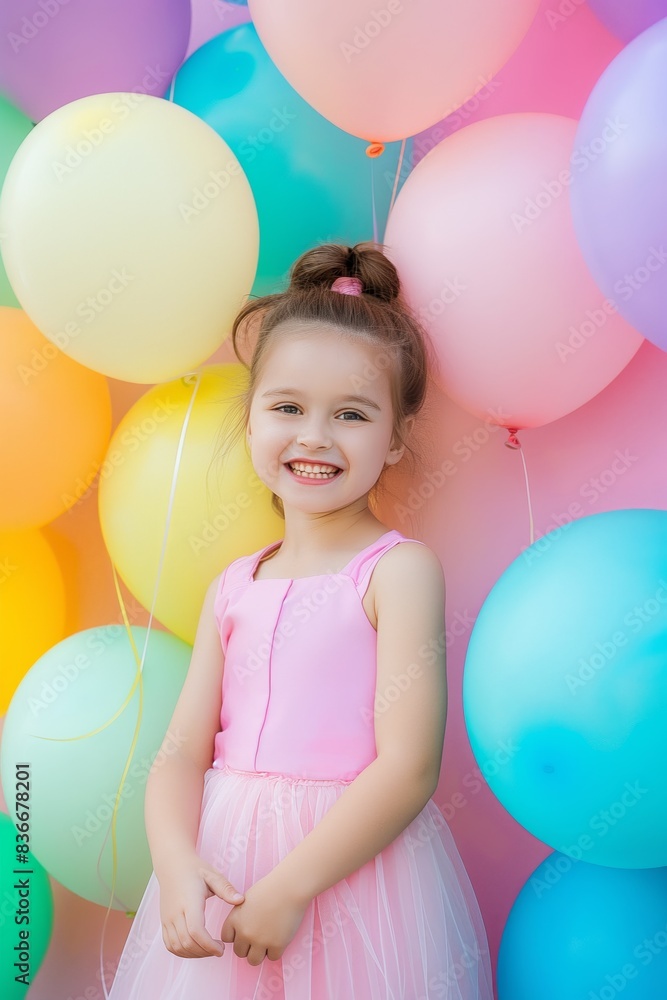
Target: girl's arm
x,y
388,794
176,780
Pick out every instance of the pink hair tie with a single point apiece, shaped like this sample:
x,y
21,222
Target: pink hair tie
x,y
347,286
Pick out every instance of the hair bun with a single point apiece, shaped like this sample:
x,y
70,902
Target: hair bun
x,y
319,268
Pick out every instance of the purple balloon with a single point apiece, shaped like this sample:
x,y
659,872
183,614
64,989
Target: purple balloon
x,y
628,18
54,51
618,189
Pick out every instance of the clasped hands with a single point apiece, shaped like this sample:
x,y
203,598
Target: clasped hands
x,y
259,926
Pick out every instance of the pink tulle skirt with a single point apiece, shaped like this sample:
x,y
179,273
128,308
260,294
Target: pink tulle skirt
x,y
405,926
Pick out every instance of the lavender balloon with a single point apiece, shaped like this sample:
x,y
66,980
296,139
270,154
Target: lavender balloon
x,y
618,190
628,18
53,51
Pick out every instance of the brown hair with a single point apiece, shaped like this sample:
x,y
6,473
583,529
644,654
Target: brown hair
x,y
379,317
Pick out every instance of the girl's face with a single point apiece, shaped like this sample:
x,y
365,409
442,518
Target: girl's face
x,y
325,399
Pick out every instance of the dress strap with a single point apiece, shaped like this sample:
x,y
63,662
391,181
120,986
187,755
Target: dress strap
x,y
362,566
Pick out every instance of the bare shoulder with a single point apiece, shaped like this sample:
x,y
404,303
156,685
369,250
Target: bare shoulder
x,y
407,574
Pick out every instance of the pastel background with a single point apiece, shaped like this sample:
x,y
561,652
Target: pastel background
x,y
477,521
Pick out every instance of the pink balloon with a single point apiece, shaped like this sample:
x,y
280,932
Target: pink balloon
x,y
484,242
53,52
386,69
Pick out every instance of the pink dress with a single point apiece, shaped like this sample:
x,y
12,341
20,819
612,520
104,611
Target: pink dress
x,y
296,728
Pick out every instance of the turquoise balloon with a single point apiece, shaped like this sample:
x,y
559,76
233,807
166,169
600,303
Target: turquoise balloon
x,y
26,910
585,932
565,688
14,127
311,180
74,688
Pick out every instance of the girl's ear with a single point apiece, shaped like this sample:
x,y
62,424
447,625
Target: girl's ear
x,y
395,454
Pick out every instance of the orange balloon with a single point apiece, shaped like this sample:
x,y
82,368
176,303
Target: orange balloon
x,y
55,424
32,605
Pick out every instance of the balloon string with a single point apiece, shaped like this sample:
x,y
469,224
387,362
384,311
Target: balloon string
x,y
140,665
514,443
375,221
398,174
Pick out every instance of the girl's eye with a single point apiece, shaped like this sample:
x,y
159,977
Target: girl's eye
x,y
283,405
354,414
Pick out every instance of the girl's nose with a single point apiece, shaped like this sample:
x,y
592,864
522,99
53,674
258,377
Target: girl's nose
x,y
314,437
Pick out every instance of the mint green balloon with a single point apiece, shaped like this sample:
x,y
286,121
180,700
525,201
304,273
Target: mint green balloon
x,y
312,181
14,127
26,907
74,688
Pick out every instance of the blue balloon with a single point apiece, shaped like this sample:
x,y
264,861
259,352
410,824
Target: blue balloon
x,y
311,180
565,688
585,932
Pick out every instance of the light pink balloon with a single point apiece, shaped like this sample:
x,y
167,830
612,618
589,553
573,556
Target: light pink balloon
x,y
483,239
386,69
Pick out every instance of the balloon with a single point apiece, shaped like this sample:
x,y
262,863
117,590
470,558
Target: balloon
x,y
14,127
483,240
619,200
55,418
566,672
32,605
384,72
311,181
131,235
76,687
27,921
580,930
221,509
627,20
55,52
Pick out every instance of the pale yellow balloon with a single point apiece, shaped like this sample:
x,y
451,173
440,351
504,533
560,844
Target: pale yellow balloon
x,y
221,509
130,235
32,605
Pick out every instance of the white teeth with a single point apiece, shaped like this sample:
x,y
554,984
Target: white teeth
x,y
313,471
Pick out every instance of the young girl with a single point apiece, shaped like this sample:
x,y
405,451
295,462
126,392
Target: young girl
x,y
298,853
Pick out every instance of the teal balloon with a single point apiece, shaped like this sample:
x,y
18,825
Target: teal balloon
x,y
585,932
311,180
74,688
14,127
565,688
26,912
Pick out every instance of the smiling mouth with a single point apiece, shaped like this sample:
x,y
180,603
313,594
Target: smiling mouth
x,y
324,472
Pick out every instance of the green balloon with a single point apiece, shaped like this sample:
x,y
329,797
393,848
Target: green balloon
x,y
14,127
26,919
74,688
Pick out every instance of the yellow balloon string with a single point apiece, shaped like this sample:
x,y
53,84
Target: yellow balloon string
x,y
513,442
191,378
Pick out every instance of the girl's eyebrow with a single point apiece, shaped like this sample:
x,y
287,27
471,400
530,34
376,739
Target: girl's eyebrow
x,y
291,391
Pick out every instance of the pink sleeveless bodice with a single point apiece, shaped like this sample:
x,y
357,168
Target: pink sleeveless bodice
x,y
299,676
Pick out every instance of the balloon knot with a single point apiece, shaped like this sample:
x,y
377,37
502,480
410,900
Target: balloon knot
x,y
375,149
512,440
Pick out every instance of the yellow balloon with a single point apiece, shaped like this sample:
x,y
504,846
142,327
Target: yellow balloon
x,y
130,234
221,509
32,605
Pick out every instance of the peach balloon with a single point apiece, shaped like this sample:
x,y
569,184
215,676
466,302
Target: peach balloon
x,y
387,70
32,605
485,246
55,421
